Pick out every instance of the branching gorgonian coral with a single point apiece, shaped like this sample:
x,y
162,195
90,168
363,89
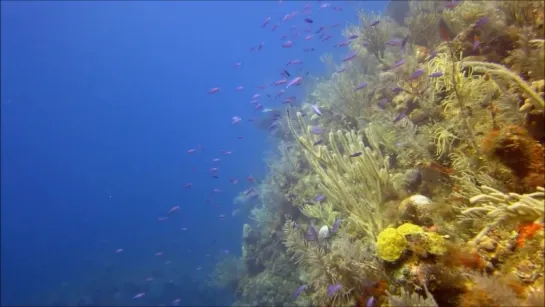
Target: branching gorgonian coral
x,y
496,207
499,70
354,177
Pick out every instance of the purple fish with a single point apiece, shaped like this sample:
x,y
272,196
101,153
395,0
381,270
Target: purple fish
x,y
336,225
398,63
432,55
298,291
370,302
332,289
383,103
399,117
308,20
316,110
481,22
319,198
353,36
394,42
342,44
436,74
320,141
350,56
266,22
317,130
312,233
341,70
416,74
374,23
360,86
397,90
295,81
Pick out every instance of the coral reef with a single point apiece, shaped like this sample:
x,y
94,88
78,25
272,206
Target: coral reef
x,y
423,188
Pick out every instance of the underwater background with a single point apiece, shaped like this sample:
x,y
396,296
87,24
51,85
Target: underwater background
x,y
272,153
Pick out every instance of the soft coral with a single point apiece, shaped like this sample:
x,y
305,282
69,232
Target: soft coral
x,y
515,148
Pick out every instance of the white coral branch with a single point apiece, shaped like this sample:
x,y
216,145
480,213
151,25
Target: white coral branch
x,y
498,207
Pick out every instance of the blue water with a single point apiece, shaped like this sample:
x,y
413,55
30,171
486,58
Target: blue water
x,y
100,103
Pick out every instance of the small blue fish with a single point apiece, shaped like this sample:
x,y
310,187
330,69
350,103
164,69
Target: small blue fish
x,y
394,42
397,90
332,289
317,130
353,36
312,233
398,63
360,86
336,225
319,198
350,56
370,302
298,291
383,103
481,22
320,141
432,55
416,74
399,117
435,74
374,23
342,44
316,110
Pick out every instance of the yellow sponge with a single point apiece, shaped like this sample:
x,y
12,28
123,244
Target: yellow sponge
x,y
390,244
